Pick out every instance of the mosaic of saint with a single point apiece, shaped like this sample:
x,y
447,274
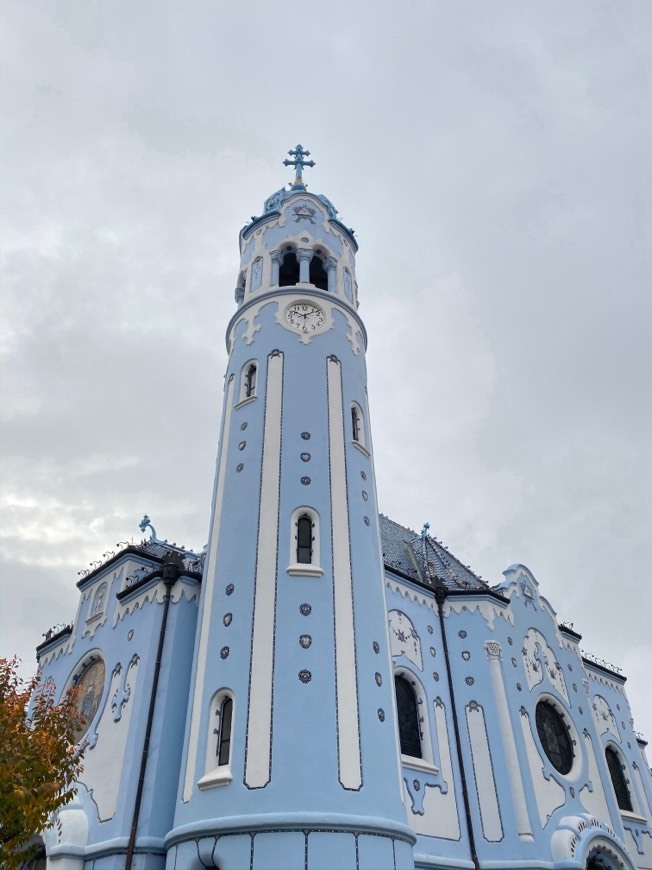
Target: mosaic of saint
x,y
91,685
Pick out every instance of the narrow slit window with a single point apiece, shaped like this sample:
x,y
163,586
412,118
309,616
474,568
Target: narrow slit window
x,y
408,718
355,423
250,381
304,540
224,736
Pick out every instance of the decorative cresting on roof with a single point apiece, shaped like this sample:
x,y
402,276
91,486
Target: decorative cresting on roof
x,y
424,558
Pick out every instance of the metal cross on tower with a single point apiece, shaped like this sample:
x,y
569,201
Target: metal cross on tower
x,y
298,163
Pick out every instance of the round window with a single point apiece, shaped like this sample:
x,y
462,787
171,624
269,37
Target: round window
x,y
91,687
554,737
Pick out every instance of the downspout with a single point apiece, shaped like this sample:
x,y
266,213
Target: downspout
x,y
440,595
170,574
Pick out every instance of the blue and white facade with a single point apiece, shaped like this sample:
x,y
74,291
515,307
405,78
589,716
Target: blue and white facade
x,y
324,688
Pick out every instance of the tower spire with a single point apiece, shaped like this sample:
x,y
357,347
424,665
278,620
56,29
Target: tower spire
x,y
298,153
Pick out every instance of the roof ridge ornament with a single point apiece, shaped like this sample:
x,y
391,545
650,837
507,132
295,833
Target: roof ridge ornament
x,y
298,153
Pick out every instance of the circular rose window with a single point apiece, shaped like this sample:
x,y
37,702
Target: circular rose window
x,y
554,737
90,686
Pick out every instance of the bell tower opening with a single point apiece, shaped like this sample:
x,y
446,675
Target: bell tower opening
x,y
318,275
289,271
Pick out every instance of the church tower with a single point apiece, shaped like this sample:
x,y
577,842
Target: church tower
x,y
290,753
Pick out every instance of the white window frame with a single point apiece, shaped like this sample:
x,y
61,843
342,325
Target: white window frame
x,y
217,774
305,569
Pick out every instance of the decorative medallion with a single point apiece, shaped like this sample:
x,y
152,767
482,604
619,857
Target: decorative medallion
x,y
305,640
364,495
381,714
363,475
224,652
243,426
230,589
514,663
416,785
469,681
510,641
519,687
305,457
305,480
430,629
376,646
305,676
305,239
305,436
461,634
581,711
366,521
239,466
242,445
378,678
304,213
466,655
227,619
433,651
305,609
575,687
130,634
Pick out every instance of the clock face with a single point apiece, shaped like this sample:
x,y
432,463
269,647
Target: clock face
x,y
305,317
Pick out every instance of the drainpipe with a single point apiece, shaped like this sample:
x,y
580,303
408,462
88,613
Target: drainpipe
x,y
171,570
440,595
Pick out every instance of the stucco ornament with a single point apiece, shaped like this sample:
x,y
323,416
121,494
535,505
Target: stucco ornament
x,y
541,663
403,638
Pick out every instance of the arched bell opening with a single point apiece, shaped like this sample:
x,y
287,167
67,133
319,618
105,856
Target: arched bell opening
x,y
318,275
289,270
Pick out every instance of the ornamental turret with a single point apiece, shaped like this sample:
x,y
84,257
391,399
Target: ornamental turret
x,y
291,702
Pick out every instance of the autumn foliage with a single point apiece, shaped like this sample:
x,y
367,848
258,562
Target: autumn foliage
x,y
38,759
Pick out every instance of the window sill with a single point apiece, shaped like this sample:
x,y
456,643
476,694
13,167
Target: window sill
x,y
418,764
633,817
95,617
244,401
361,448
301,570
217,777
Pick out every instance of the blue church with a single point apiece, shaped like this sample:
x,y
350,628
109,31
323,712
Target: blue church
x,y
323,688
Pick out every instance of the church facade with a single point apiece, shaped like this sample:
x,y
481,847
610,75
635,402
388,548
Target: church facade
x,y
323,688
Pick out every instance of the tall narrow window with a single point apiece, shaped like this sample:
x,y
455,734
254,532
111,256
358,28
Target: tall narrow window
x,y
250,381
224,737
318,275
355,423
304,540
618,780
408,718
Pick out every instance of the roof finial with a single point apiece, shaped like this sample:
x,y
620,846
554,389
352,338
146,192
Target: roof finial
x,y
298,164
425,530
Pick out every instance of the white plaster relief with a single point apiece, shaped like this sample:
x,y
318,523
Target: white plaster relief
x,y
209,583
103,765
348,726
642,848
578,835
603,680
485,782
541,663
403,638
548,793
259,720
604,717
592,794
439,818
156,592
489,610
411,594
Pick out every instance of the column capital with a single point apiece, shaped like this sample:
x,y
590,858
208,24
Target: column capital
x,y
330,263
277,256
492,648
304,254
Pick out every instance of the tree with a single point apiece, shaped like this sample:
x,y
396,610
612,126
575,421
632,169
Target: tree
x,y
39,760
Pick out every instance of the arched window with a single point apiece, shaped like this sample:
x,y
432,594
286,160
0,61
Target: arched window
x,y
224,735
318,275
408,718
618,780
355,422
554,737
304,540
250,381
358,433
289,271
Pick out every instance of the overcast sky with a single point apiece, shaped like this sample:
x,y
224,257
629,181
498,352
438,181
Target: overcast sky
x,y
494,160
